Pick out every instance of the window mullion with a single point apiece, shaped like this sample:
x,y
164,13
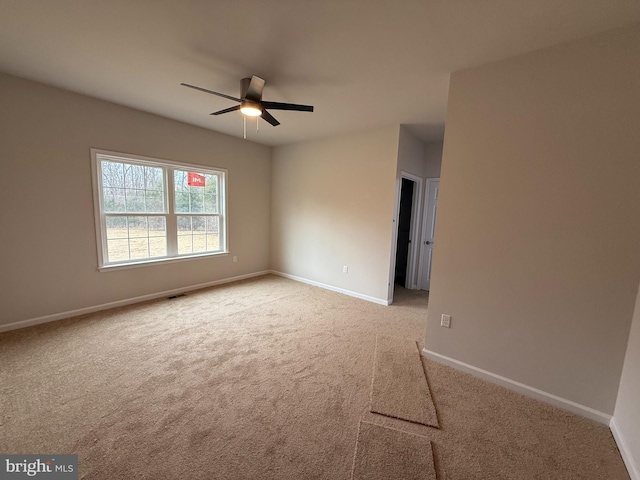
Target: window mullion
x,y
172,222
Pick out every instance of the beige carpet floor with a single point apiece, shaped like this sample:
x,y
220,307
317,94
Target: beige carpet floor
x,y
383,453
266,378
399,388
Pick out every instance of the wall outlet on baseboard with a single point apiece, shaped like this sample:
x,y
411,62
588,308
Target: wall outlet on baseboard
x,y
445,321
345,269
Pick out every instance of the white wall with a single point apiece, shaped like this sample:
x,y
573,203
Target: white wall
x,y
539,225
627,411
432,159
48,239
332,205
411,156
418,158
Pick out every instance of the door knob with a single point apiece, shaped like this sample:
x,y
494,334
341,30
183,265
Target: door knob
x,y
428,242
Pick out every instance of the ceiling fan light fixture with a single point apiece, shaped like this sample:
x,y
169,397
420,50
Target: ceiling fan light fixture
x,y
250,109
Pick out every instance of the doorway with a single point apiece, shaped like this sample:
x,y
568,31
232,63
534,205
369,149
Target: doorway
x,y
404,232
404,259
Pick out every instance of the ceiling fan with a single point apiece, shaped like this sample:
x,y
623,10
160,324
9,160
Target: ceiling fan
x,y
251,103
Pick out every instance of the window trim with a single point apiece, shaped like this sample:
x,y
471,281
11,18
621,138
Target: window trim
x,y
169,214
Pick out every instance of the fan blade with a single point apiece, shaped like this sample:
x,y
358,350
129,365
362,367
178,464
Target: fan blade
x,y
269,118
226,110
254,92
211,92
287,106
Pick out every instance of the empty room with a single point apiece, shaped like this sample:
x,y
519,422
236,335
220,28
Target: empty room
x,y
320,240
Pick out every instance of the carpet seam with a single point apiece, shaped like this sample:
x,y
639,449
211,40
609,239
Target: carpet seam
x,y
426,377
355,451
373,372
414,422
395,429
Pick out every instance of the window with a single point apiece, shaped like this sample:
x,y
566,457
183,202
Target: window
x,y
150,210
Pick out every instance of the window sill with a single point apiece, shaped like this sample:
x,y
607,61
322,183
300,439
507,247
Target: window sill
x,y
160,261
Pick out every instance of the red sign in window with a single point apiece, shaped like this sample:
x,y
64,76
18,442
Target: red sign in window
x,y
195,180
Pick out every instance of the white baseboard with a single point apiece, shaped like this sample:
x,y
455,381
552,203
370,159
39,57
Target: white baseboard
x,y
541,395
368,298
120,303
625,451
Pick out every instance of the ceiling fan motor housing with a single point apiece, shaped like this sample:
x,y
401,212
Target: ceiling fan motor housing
x,y
244,87
251,88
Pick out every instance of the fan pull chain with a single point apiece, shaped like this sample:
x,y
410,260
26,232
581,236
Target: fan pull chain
x,y
257,125
244,124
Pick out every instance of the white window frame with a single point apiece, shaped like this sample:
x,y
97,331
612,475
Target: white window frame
x,y
170,215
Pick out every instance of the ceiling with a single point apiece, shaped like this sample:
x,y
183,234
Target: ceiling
x,y
361,63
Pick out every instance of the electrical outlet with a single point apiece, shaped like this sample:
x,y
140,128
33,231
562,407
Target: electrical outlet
x,y
235,259
345,269
445,321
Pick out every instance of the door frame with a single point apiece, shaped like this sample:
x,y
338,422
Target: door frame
x,y
425,225
414,234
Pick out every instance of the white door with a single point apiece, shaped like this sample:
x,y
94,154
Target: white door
x,y
429,230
